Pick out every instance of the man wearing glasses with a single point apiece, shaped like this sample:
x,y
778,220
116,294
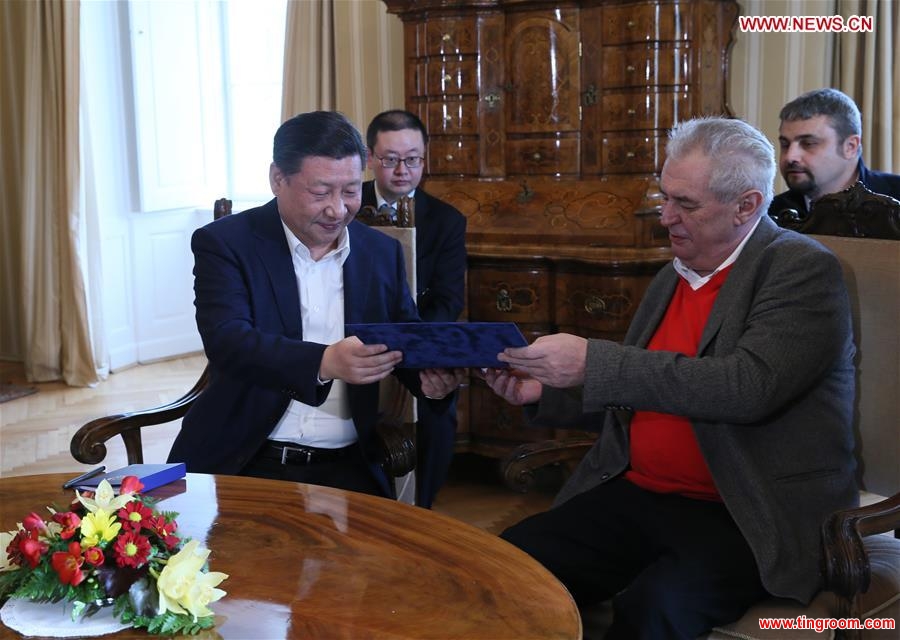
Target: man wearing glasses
x,y
396,142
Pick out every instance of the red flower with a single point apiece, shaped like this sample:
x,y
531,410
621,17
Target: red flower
x,y
68,564
34,522
131,549
30,548
164,530
135,516
130,484
69,522
13,550
94,556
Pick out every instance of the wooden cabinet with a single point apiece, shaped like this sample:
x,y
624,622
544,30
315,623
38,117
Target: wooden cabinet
x,y
547,124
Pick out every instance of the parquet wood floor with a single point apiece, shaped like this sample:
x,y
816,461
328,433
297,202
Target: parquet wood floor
x,y
35,431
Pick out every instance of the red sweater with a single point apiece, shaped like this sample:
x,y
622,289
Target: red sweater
x,y
665,456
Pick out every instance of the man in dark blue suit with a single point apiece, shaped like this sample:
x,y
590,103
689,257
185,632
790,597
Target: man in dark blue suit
x,y
820,138
289,396
396,141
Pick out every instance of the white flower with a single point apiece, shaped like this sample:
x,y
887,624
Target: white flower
x,y
182,585
105,499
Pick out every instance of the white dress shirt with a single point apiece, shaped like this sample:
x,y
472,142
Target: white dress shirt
x,y
695,280
379,199
320,284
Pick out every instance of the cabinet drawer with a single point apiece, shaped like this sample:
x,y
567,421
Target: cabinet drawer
x,y
548,157
458,117
631,153
438,77
644,110
599,302
510,296
491,416
643,65
646,21
446,36
453,156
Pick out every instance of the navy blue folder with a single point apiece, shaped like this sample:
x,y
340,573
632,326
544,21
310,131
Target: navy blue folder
x,y
442,345
150,475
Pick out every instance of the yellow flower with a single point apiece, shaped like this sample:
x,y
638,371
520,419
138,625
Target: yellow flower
x,y
183,586
105,498
98,526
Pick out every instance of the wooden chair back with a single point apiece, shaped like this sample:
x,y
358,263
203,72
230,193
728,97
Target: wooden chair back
x,y
855,212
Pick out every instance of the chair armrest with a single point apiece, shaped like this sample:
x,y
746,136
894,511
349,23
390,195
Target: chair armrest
x,y
397,450
519,465
88,444
846,569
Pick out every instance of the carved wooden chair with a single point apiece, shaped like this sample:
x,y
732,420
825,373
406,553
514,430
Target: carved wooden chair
x,y
861,552
88,445
860,547
855,212
397,406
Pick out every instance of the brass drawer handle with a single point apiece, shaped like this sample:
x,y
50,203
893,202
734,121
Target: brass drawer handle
x,y
504,302
631,112
629,154
536,156
446,37
449,157
630,68
594,305
631,24
447,77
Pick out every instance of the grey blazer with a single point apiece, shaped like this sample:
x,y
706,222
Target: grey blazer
x,y
770,395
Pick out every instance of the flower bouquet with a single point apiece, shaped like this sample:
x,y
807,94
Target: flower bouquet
x,y
108,550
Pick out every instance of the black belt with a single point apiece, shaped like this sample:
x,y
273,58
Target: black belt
x,y
286,453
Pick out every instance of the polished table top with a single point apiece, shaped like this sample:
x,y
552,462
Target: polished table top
x,y
314,562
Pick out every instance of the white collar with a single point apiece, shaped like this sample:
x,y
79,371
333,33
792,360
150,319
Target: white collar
x,y
298,248
695,280
379,199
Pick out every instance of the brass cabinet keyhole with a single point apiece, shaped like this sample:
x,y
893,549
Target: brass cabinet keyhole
x,y
504,301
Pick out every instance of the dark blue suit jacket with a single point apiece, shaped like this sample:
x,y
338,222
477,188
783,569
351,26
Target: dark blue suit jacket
x,y
248,314
440,255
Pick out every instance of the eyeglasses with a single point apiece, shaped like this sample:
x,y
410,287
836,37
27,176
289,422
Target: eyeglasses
x,y
391,162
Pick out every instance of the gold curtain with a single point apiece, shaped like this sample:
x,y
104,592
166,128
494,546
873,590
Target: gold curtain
x,y
867,68
345,55
308,57
42,282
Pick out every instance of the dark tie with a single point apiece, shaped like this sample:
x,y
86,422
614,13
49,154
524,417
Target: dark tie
x,y
389,211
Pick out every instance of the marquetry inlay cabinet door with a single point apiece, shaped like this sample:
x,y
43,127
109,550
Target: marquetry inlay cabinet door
x,y
547,124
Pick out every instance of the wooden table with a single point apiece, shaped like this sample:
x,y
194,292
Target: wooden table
x,y
314,562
